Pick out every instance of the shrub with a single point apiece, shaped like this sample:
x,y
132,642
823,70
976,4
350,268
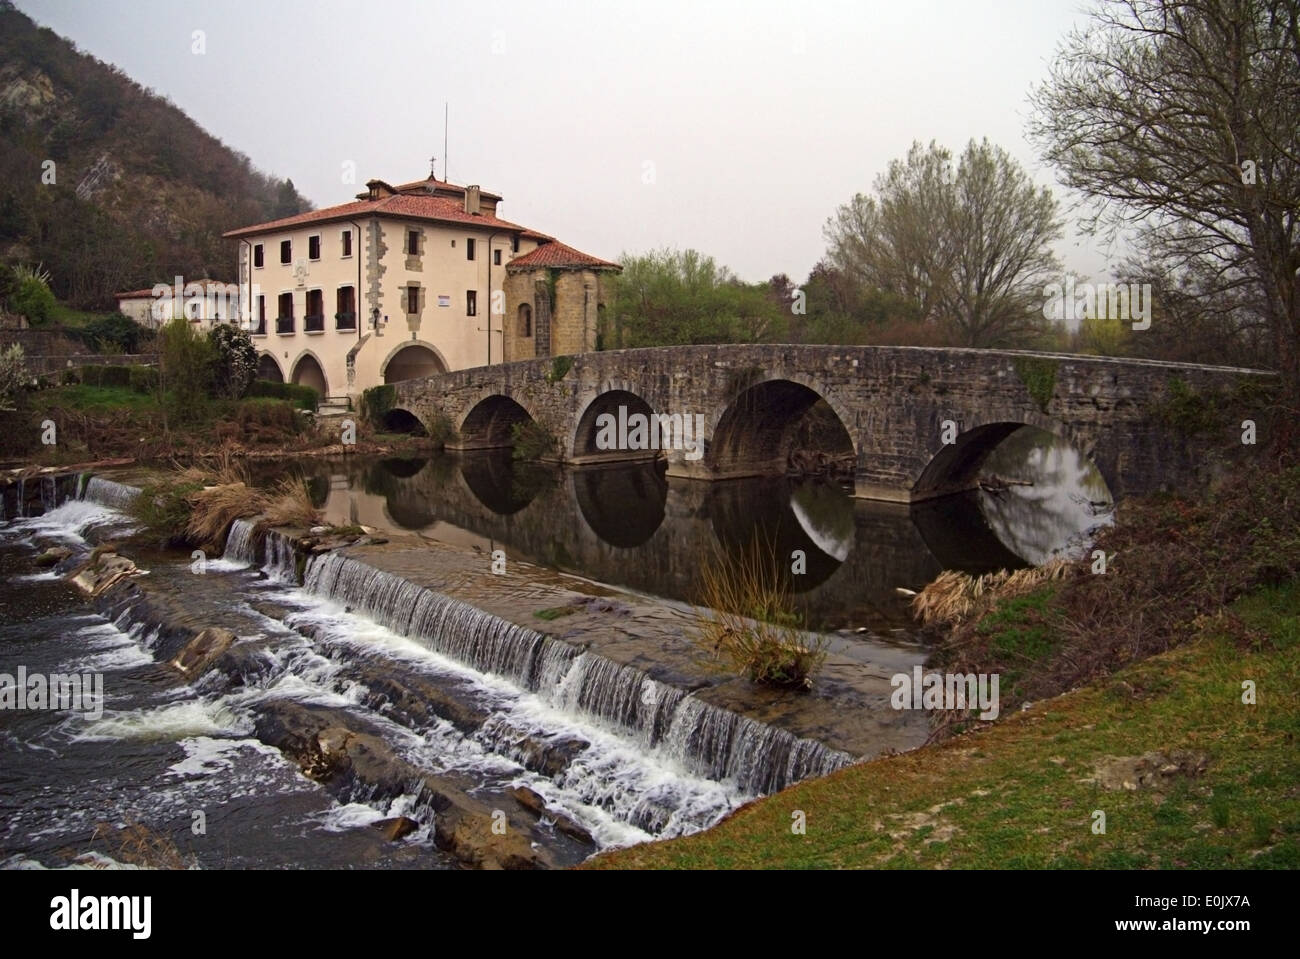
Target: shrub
x,y
376,403
234,360
31,296
13,376
114,333
532,441
441,429
560,367
164,508
93,375
184,369
748,622
142,379
1039,376
303,397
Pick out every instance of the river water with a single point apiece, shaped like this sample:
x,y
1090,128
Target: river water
x,y
176,757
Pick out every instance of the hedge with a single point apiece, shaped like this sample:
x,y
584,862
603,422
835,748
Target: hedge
x,y
304,397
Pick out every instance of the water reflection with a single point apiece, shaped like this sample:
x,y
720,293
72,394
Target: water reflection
x,y
631,526
1061,510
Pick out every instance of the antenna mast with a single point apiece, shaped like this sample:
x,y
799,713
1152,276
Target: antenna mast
x,y
444,142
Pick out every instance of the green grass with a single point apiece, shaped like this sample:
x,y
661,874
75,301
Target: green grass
x,y
1021,793
65,315
93,398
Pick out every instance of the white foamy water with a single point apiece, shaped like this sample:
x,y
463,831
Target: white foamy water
x,y
622,792
71,522
172,722
206,756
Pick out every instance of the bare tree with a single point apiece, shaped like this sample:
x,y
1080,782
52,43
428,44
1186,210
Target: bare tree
x,y
1180,118
970,247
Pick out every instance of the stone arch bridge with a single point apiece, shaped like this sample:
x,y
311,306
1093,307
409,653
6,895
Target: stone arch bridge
x,y
917,422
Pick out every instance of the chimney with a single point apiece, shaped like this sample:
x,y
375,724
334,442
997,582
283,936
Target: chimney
x,y
471,200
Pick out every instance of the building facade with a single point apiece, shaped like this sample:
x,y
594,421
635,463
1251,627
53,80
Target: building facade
x,y
407,281
202,302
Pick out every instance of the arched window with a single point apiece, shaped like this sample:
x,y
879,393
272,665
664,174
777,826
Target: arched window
x,y
525,320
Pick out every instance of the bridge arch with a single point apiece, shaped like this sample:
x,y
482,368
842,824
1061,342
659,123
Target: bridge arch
x,y
490,423
753,433
309,371
954,466
583,442
268,368
412,360
401,420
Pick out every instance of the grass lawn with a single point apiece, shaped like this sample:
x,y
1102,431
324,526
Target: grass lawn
x,y
93,398
1022,793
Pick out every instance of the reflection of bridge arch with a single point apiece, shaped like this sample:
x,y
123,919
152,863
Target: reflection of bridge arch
x,y
623,507
759,514
490,424
503,485
753,434
582,444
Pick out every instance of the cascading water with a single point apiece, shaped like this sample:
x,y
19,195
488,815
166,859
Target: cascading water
x,y
108,493
281,562
712,742
241,543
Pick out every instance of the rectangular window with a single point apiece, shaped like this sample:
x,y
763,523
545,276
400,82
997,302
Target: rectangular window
x,y
259,321
257,255
412,299
471,302
284,318
345,318
514,243
314,320
412,242
286,251
469,248
347,242
496,257
313,247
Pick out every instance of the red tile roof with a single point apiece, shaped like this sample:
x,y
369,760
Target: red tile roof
x,y
424,185
401,206
559,255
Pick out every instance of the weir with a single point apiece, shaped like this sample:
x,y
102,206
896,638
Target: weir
x,y
712,742
716,743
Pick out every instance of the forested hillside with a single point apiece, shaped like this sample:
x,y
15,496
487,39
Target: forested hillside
x,y
140,193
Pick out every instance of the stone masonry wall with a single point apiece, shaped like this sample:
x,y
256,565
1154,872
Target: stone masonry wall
x,y
893,401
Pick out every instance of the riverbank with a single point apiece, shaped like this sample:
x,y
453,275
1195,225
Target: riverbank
x,y
79,423
1159,701
1185,774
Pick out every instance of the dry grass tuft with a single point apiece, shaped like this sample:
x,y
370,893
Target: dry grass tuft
x,y
746,620
138,845
290,504
955,597
214,508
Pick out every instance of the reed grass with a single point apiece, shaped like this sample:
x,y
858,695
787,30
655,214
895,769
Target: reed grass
x,y
746,620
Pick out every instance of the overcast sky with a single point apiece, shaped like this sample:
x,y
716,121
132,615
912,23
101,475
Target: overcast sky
x,y
733,128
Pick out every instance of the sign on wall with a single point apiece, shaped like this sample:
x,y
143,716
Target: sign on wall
x,y
444,300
